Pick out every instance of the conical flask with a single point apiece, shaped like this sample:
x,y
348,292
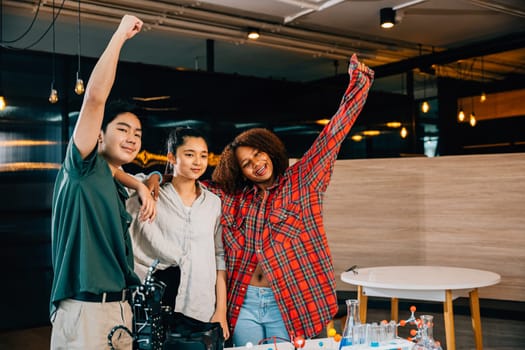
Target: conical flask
x,y
352,320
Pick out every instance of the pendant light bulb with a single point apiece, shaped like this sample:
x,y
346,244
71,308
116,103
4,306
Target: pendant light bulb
x,y
483,97
79,86
425,107
472,120
404,132
3,104
461,115
53,96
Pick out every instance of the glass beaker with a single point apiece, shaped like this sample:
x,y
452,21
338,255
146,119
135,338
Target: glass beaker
x,y
374,335
426,335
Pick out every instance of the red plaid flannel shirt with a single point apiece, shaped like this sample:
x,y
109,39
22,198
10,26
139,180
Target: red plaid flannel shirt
x,y
283,229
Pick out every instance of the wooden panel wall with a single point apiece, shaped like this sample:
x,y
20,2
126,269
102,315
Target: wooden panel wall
x,y
498,105
466,211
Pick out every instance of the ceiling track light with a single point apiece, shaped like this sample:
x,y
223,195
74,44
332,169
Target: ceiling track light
x,y
253,34
387,16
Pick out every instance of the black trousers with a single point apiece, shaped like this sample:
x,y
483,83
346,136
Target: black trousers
x,y
171,277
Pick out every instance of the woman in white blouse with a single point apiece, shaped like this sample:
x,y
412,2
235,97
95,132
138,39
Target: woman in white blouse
x,y
186,234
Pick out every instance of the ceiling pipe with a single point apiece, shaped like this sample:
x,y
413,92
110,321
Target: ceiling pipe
x,y
309,8
480,49
301,4
499,8
289,19
232,29
151,9
407,4
497,45
227,35
279,39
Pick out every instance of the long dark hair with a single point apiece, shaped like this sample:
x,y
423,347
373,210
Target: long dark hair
x,y
176,138
228,174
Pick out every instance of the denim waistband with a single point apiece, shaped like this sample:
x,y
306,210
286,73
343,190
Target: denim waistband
x,y
259,291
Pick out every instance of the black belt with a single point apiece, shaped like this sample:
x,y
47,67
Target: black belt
x,y
103,297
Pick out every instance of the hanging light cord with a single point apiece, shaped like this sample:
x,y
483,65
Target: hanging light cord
x,y
53,57
43,34
79,36
472,79
424,76
482,70
1,21
1,55
27,30
424,86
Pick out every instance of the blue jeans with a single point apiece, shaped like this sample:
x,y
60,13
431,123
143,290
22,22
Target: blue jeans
x,y
259,318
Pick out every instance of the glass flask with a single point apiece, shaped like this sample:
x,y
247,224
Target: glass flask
x,y
352,320
426,335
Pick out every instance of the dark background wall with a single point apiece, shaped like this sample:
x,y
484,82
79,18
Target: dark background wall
x,y
221,105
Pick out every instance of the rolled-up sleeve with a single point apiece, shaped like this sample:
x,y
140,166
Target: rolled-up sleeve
x,y
219,247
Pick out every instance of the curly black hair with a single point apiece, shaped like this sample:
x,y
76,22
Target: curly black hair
x,y
228,174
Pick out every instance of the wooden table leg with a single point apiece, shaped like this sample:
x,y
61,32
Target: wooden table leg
x,y
394,309
476,318
448,315
363,301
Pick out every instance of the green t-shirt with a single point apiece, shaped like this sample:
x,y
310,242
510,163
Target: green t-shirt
x,y
90,242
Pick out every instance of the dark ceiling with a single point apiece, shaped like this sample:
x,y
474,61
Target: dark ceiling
x,y
301,40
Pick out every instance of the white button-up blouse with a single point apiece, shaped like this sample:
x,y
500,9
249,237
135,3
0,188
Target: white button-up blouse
x,y
188,237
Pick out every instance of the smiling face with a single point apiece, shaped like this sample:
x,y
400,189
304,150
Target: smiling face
x,y
255,165
191,158
121,141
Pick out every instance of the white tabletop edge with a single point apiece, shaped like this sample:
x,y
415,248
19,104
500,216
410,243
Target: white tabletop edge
x,y
421,278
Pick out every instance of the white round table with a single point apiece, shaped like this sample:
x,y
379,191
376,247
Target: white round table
x,y
432,283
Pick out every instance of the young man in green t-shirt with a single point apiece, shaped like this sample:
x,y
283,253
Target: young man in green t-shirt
x,y
91,249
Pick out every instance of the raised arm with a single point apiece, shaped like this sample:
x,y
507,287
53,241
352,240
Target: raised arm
x,y
99,86
318,162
